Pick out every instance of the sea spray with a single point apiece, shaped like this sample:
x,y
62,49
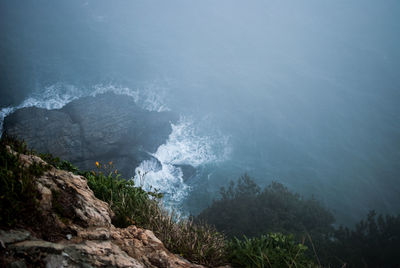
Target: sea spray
x,y
183,147
52,97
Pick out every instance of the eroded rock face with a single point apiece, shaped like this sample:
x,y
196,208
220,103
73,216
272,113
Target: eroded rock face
x,y
77,231
104,128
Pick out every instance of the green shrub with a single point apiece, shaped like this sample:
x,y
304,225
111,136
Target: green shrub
x,y
374,242
272,250
18,193
60,164
129,203
245,209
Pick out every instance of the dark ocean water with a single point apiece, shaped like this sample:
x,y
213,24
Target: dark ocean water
x,y
304,94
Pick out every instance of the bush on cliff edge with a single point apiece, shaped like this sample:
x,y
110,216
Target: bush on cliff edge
x,y
18,192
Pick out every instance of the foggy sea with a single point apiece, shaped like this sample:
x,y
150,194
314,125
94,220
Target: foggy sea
x,y
303,93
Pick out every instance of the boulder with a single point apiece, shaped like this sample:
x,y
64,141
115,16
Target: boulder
x,y
104,128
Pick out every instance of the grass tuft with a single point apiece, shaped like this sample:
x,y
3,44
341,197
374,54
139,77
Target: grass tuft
x,y
272,250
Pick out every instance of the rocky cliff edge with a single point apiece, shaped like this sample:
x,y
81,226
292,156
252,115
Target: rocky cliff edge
x,y
83,236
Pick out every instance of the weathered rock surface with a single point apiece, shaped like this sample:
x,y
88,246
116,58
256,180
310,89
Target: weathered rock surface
x,y
104,128
77,231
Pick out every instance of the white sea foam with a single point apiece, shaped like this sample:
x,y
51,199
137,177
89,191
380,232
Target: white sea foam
x,y
3,113
101,89
148,97
167,180
183,146
58,95
53,97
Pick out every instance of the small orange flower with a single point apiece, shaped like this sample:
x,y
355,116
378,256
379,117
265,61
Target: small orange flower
x,y
110,163
97,164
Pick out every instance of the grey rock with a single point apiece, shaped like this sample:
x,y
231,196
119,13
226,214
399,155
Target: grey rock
x,y
13,236
55,261
104,128
46,131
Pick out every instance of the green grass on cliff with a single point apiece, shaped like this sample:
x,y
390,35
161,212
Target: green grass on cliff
x,y
132,205
272,250
18,193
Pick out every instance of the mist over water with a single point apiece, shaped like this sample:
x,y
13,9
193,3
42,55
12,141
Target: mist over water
x,y
304,93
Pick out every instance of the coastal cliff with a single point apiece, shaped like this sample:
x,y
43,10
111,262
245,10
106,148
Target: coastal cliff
x,y
72,228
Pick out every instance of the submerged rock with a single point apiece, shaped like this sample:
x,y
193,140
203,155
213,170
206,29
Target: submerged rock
x,y
104,128
76,231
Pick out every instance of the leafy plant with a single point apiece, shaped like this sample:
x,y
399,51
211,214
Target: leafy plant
x,y
272,250
60,164
129,203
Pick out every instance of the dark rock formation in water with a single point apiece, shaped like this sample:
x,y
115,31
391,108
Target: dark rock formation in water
x,y
104,128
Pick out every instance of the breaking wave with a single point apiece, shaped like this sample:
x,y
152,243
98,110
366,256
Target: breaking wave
x,y
183,147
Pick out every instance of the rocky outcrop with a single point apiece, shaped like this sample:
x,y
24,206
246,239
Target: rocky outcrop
x,y
104,128
76,231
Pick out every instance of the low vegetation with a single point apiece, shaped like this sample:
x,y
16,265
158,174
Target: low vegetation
x,y
198,242
374,242
245,209
247,227
272,250
58,163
